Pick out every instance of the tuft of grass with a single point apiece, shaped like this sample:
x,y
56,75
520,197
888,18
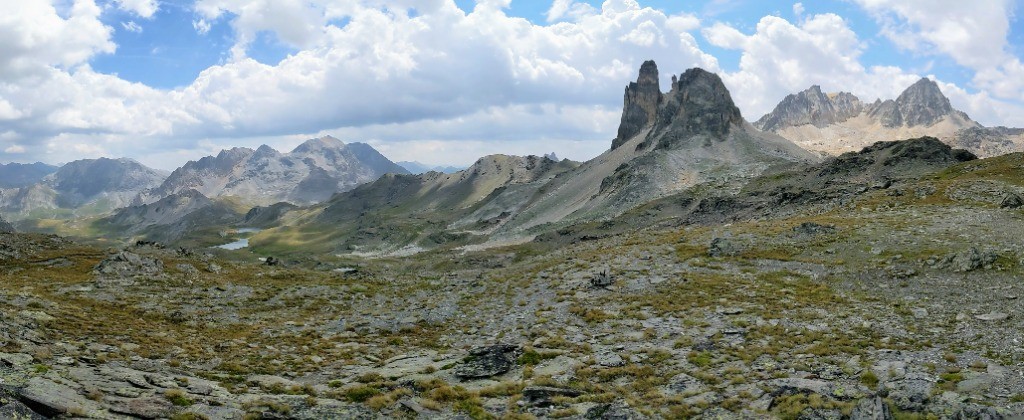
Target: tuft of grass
x,y
178,397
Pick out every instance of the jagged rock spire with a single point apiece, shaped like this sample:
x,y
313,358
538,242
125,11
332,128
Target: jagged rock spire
x,y
640,103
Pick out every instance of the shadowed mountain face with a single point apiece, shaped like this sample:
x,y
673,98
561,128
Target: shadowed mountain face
x,y
18,175
311,173
82,188
839,122
185,214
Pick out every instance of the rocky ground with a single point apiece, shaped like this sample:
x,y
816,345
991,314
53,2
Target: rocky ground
x,y
902,302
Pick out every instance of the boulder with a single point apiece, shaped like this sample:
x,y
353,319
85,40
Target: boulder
x,y
722,247
128,265
1011,201
871,409
484,362
541,396
19,411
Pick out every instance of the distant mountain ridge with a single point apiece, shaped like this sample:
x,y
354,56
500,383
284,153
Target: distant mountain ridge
x,y
312,172
420,168
839,122
18,175
81,188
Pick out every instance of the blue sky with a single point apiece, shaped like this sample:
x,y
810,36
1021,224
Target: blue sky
x,y
165,81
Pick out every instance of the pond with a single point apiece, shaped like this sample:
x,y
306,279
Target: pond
x,y
240,243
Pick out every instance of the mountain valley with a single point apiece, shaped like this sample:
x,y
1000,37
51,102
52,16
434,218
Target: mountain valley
x,y
833,260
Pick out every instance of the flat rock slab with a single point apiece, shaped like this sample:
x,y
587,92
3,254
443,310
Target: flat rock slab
x,y
51,399
992,316
148,408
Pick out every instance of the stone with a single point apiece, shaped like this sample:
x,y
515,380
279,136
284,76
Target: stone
x,y
609,359
910,393
613,411
127,265
970,260
820,414
271,381
811,229
485,362
18,411
214,268
1011,201
541,396
872,408
722,247
977,412
992,316
153,407
188,270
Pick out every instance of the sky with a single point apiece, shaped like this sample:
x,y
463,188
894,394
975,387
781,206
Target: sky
x,y
448,81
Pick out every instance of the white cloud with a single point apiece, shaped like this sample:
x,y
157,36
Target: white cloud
x,y
413,72
407,74
561,9
798,9
131,26
782,58
143,8
974,34
15,149
36,37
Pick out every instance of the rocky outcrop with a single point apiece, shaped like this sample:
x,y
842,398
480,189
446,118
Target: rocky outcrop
x,y
640,105
698,103
484,362
811,106
124,267
6,227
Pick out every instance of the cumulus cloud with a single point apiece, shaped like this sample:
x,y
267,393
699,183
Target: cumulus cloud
x,y
974,34
781,57
405,75
36,37
142,8
374,63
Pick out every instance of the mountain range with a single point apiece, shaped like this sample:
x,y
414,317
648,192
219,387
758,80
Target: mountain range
x,y
310,173
81,188
421,168
338,197
834,123
693,134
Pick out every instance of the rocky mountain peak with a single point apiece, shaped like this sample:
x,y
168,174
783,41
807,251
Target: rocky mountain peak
x,y
640,103
923,103
699,103
812,106
319,144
